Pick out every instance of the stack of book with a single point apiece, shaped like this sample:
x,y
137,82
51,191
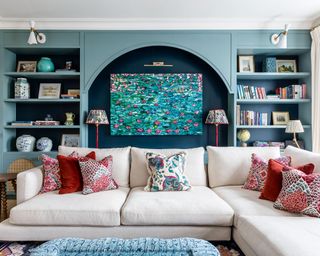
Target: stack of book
x,y
248,117
22,123
295,91
251,92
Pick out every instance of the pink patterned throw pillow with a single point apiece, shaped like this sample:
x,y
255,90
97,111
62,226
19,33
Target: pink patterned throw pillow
x,y
51,174
300,193
258,171
97,175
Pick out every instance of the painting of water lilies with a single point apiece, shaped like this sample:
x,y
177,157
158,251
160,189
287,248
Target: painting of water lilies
x,y
156,104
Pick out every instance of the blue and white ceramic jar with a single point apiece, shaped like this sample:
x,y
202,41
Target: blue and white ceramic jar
x,y
25,143
21,88
44,144
45,65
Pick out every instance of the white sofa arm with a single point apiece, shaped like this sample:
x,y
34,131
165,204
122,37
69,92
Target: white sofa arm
x,y
29,184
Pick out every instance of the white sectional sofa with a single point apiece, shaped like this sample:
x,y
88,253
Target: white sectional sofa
x,y
216,208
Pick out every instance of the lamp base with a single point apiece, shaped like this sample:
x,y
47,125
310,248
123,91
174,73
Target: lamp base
x,y
243,144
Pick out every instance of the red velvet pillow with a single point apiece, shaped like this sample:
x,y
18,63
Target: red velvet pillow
x,y
70,173
273,184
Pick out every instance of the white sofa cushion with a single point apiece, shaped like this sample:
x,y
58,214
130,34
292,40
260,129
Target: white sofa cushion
x,y
199,206
302,157
247,202
194,169
75,209
231,165
292,236
121,160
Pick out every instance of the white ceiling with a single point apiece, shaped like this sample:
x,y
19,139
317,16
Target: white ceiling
x,y
159,14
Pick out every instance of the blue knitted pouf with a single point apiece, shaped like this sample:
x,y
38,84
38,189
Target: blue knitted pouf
x,y
125,247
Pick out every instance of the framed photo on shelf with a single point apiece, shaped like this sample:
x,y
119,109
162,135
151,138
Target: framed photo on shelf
x,y
286,66
49,91
27,66
291,143
246,64
280,118
70,140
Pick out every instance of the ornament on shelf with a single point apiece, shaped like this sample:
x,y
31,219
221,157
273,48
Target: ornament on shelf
x,y
25,143
21,88
69,118
44,144
243,135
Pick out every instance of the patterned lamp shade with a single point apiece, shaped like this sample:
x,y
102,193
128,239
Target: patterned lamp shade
x,y
97,116
294,126
217,116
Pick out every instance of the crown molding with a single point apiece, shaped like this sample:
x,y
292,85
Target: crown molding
x,y
152,24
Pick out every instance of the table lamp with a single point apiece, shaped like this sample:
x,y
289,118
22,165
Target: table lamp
x,y
294,126
217,117
97,117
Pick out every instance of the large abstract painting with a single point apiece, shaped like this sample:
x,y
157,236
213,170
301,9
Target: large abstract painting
x,y
156,104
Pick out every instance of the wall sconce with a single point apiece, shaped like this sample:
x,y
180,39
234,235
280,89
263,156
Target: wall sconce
x,y
35,37
280,40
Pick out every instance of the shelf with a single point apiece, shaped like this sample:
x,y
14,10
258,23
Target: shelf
x,y
27,101
271,76
271,101
44,50
266,126
32,153
45,75
272,51
43,127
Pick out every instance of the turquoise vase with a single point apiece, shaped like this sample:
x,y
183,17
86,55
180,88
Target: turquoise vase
x,y
45,65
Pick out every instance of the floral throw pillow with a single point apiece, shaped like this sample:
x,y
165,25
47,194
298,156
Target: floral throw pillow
x,y
300,193
258,171
97,175
51,174
166,173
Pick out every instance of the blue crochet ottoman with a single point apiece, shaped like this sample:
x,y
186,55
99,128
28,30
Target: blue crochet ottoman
x,y
126,247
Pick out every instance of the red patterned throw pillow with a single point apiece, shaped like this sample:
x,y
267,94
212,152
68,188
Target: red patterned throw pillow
x,y
258,171
71,178
300,193
97,175
273,184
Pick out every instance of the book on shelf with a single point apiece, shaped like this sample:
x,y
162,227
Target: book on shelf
x,y
248,117
294,91
250,92
46,123
22,123
69,96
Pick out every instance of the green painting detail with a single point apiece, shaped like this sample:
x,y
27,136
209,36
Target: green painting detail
x,y
156,104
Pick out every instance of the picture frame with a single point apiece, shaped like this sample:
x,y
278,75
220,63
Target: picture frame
x,y
27,66
70,140
74,92
246,63
280,118
291,143
286,66
49,91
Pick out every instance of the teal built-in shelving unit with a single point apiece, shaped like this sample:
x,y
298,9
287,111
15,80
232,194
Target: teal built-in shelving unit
x,y
92,51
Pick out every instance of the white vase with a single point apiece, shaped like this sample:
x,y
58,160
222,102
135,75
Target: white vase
x,y
21,89
25,143
44,144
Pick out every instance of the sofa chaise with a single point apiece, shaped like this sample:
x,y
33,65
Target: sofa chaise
x,y
216,208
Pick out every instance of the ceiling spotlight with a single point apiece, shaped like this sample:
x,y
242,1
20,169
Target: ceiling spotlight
x,y
280,40
35,37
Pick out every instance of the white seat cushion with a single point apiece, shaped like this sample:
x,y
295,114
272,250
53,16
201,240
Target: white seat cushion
x,y
199,206
292,236
302,157
230,165
194,169
247,202
96,209
120,156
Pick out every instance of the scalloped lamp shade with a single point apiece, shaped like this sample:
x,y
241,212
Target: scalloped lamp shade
x,y
217,116
97,117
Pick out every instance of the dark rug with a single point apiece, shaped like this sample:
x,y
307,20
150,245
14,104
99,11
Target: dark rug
x,y
22,248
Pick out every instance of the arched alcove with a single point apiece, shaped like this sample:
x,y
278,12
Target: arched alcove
x,y
215,95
